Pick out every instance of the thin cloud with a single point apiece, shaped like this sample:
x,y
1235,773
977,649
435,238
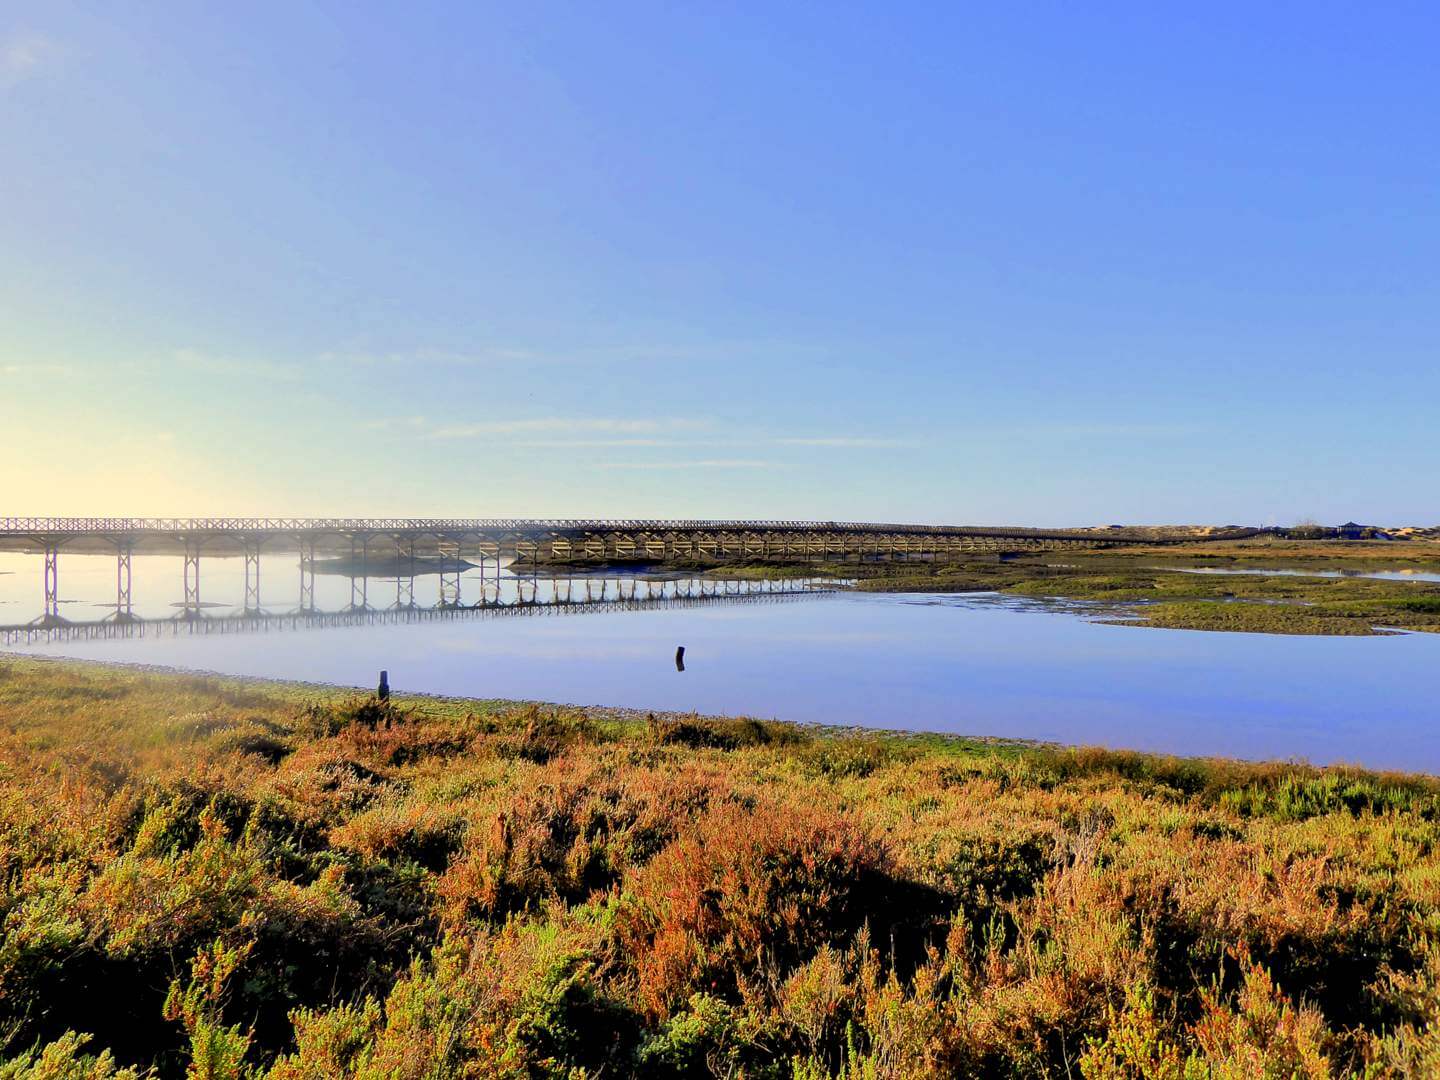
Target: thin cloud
x,y
23,56
540,425
1112,431
616,432
30,370
396,423
845,441
269,370
579,355
708,463
575,444
420,423
437,357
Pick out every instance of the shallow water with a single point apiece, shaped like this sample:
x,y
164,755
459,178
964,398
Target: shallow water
x,y
980,664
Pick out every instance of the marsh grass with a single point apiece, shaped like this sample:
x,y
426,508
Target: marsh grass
x,y
226,879
1258,604
1155,597
1314,554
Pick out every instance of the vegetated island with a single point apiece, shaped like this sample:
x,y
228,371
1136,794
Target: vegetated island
x,y
1161,588
1158,586
227,879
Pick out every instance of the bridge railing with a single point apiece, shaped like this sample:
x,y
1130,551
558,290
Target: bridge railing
x,y
112,526
232,524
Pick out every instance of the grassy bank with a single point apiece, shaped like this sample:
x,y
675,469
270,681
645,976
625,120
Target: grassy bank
x,y
1149,588
1251,603
245,879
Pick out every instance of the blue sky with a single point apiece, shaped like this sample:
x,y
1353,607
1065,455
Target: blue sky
x,y
1031,263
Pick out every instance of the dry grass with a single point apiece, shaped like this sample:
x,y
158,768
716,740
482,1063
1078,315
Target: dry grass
x,y
229,880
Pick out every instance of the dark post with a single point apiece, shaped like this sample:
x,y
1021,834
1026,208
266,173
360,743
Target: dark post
x,y
383,691
680,658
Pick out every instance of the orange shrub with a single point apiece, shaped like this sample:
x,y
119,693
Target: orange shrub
x,y
743,893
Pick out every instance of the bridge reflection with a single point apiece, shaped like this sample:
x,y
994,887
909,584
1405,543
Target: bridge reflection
x,y
529,596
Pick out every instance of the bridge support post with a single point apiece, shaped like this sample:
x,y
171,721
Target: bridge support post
x,y
191,606
405,576
124,611
252,577
307,576
449,579
359,584
52,587
359,593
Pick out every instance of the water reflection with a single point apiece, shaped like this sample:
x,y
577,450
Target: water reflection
x,y
162,587
498,594
978,664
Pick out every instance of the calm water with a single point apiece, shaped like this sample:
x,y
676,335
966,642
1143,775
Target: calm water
x,y
973,665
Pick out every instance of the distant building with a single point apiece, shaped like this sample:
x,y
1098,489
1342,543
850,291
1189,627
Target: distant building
x,y
1354,531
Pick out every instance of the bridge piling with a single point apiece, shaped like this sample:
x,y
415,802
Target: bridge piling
x,y
405,575
124,610
252,576
359,583
307,576
52,587
449,579
191,606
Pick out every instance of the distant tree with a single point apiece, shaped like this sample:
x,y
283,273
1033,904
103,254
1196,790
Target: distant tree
x,y
1309,529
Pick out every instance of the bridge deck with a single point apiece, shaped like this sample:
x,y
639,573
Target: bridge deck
x,y
182,528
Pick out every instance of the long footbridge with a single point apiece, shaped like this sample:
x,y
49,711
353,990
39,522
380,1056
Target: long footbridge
x,y
408,542
554,539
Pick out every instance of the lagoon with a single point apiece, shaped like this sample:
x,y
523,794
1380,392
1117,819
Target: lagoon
x,y
973,664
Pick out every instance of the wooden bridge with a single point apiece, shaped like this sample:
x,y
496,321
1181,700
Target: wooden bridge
x,y
525,541
541,540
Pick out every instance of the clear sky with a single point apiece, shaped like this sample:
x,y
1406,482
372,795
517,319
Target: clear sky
x,y
1008,263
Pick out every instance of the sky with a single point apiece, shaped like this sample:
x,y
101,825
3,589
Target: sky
x,y
1041,263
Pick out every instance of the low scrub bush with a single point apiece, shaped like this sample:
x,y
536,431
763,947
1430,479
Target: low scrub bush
x,y
234,881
